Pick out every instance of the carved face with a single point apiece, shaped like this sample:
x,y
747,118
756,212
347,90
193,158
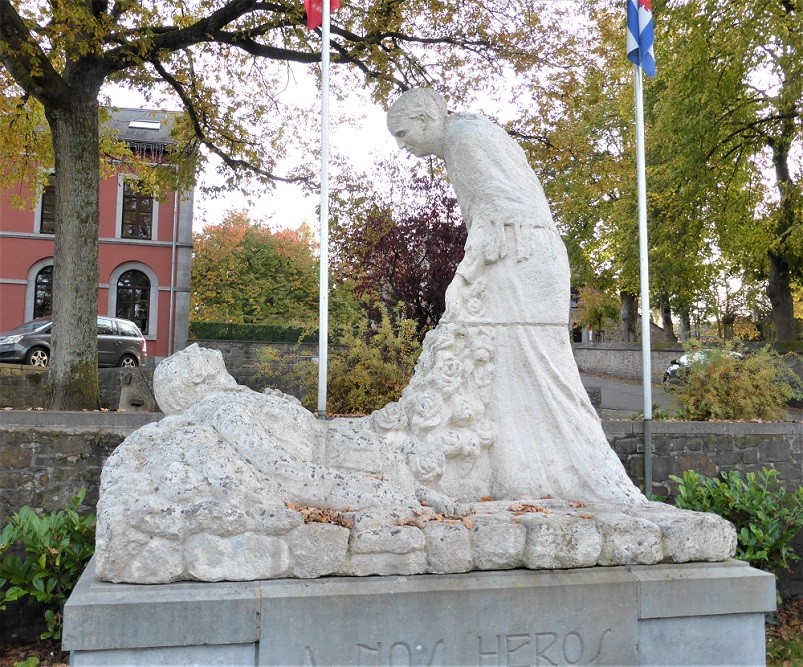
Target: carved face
x,y
421,136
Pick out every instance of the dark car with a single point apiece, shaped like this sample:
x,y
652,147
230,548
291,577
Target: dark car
x,y
679,368
120,343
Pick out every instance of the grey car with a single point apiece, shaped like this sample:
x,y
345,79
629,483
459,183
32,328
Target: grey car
x,y
120,343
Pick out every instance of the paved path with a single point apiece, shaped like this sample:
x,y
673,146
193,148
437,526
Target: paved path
x,y
624,397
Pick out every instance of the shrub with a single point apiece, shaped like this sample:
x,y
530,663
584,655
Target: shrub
x,y
269,333
367,369
755,386
57,547
766,516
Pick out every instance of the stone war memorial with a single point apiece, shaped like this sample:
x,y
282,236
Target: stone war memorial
x,y
482,519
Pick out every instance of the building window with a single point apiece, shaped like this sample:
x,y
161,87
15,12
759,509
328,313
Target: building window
x,y
43,293
134,298
137,222
47,208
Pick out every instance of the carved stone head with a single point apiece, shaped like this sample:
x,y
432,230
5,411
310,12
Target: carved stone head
x,y
186,377
417,122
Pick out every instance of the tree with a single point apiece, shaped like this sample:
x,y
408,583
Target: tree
x,y
595,308
243,272
731,110
400,250
56,57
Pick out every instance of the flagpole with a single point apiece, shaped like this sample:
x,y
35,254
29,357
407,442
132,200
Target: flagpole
x,y
645,282
323,310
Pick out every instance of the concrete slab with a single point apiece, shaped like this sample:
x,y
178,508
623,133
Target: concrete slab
x,y
102,616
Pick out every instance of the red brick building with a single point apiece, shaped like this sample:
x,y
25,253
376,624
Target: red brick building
x,y
144,253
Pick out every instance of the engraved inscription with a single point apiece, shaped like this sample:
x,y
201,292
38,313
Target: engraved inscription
x,y
398,654
307,658
539,648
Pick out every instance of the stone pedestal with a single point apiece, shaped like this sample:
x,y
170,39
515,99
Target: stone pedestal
x,y
697,613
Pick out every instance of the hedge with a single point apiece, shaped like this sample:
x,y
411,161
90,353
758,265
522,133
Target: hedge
x,y
266,333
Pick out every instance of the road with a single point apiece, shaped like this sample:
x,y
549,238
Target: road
x,y
624,398
621,399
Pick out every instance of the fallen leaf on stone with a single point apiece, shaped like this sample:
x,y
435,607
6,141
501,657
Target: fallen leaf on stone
x,y
322,515
468,522
586,516
577,503
424,503
486,499
517,509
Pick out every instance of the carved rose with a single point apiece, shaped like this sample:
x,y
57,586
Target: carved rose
x,y
425,410
447,442
483,374
447,374
475,307
427,466
482,349
466,408
469,444
486,432
390,418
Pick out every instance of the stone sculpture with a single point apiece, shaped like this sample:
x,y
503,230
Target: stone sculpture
x,y
492,458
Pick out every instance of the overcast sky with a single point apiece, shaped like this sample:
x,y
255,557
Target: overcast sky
x,y
286,206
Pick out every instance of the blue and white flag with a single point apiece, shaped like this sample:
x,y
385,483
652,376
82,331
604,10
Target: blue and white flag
x,y
639,35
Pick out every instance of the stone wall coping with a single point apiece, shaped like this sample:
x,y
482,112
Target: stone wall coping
x,y
630,347
70,419
134,420
636,427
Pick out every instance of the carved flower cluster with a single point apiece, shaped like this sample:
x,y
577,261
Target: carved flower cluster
x,y
443,410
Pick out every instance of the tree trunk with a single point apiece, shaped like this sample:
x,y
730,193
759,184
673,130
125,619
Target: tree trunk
x,y
628,317
779,291
74,359
685,325
666,319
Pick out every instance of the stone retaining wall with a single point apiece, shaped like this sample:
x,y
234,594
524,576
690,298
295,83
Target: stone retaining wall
x,y
243,358
622,359
47,457
26,387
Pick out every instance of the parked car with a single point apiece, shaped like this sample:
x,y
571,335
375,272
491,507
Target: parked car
x,y
120,343
679,367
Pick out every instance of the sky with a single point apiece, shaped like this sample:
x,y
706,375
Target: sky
x,y
286,206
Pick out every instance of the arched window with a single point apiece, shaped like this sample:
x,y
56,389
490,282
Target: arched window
x,y
43,292
134,298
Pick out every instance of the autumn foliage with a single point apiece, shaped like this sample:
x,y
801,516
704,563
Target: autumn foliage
x,y
244,272
401,253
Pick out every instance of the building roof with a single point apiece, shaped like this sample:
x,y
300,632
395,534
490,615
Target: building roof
x,y
143,126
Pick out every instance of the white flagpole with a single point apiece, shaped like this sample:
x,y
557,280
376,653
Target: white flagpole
x,y
645,283
323,310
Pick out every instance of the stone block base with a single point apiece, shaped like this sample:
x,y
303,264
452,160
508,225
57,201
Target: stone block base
x,y
668,614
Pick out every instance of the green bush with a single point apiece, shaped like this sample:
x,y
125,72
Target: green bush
x,y
367,369
757,386
766,516
57,547
267,333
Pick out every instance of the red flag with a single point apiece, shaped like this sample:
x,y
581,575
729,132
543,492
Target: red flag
x,y
315,11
